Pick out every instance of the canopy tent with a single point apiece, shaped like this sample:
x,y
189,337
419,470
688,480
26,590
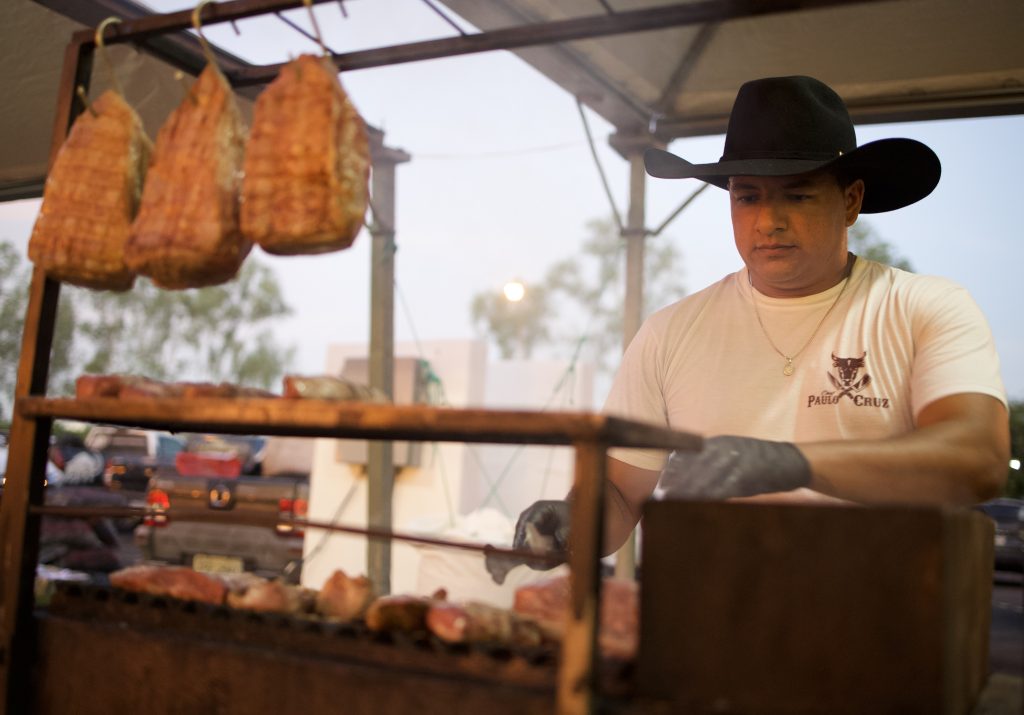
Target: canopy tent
x,y
654,69
900,60
894,60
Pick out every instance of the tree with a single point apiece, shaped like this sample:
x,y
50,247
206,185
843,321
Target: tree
x,y
580,299
217,333
13,297
867,244
590,288
516,327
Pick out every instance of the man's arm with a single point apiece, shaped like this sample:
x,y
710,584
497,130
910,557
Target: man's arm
x,y
628,487
957,454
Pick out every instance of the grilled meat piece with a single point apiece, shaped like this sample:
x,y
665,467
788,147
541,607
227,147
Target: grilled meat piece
x,y
482,623
307,163
91,196
138,387
271,597
174,581
401,613
327,387
123,386
186,234
343,597
547,602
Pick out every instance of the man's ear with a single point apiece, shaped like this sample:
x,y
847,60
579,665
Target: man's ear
x,y
854,198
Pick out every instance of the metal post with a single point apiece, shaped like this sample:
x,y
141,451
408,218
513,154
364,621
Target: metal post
x,y
380,468
635,235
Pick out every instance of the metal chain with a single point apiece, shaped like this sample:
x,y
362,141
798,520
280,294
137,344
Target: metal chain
x,y
789,368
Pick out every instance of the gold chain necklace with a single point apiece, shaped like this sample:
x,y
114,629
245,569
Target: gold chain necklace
x,y
789,368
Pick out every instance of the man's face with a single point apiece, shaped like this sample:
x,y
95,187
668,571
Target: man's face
x,y
791,230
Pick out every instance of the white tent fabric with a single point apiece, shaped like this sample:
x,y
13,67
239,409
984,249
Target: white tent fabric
x,y
900,60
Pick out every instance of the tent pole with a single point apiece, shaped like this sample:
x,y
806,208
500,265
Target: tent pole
x,y
380,469
635,236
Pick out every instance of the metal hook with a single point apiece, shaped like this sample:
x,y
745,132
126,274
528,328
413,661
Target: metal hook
x,y
80,91
102,49
316,28
197,25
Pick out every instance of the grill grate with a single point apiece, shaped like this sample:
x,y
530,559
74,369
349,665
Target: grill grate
x,y
534,668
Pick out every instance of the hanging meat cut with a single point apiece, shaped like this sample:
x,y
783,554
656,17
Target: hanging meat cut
x,y
307,163
91,196
187,234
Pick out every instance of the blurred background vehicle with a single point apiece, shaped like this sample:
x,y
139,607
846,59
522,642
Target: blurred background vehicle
x,y
270,551
247,449
132,457
1008,514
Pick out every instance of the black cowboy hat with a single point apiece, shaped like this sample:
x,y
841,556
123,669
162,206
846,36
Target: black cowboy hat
x,y
780,126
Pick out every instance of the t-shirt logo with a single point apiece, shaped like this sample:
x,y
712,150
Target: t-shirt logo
x,y
847,382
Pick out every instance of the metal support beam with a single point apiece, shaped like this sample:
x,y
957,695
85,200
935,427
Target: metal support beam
x,y
632,313
531,35
380,469
634,233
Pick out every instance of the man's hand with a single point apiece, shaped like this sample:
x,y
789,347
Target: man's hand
x,y
542,528
730,466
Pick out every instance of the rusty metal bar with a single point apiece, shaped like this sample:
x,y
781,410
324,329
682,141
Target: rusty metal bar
x,y
29,439
361,420
272,522
577,689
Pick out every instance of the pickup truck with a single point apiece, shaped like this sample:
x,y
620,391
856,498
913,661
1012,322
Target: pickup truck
x,y
222,547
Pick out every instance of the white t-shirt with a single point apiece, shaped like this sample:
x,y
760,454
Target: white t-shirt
x,y
894,343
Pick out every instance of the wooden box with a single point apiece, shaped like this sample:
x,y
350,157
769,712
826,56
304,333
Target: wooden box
x,y
780,609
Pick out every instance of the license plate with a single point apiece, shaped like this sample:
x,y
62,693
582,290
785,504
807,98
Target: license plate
x,y
211,563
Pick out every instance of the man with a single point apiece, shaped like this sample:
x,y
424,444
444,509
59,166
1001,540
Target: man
x,y
814,374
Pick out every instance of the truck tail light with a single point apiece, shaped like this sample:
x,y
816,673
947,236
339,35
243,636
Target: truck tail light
x,y
291,509
157,503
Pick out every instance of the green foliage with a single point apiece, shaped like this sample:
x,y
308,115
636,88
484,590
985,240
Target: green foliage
x,y
590,290
1015,477
516,328
217,333
14,277
580,297
866,243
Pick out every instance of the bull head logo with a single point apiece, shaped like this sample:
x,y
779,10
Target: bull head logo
x,y
847,381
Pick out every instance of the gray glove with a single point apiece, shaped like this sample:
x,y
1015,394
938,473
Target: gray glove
x,y
542,528
730,466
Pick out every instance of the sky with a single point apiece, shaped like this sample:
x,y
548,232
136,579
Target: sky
x,y
501,185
